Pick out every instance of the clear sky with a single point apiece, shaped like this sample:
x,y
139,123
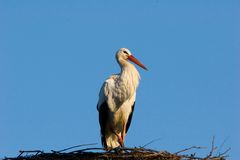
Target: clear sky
x,y
55,55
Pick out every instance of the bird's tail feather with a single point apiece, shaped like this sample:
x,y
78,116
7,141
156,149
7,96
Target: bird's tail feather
x,y
110,142
104,143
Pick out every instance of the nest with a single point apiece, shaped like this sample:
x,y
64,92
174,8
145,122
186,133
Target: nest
x,y
117,154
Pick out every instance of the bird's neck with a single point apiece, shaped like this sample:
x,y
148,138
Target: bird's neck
x,y
129,76
125,84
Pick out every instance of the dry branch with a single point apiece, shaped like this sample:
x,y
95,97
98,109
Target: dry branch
x,y
120,154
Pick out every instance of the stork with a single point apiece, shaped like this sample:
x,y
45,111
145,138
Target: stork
x,y
117,99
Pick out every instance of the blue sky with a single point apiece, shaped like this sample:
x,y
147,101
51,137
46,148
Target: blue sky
x,y
55,55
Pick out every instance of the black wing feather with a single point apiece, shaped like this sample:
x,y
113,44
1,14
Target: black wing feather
x,y
130,118
103,118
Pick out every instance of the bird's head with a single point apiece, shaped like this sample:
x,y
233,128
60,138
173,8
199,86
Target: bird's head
x,y
123,54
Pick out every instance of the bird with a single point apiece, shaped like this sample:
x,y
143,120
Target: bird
x,y
117,100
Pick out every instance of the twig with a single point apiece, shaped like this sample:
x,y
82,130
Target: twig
x,y
141,149
33,151
86,149
193,147
222,154
212,149
81,145
223,143
154,140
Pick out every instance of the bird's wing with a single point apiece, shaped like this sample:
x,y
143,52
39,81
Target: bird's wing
x,y
103,110
130,118
103,119
103,107
106,90
102,96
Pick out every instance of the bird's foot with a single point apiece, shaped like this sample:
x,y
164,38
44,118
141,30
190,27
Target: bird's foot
x,y
120,141
119,150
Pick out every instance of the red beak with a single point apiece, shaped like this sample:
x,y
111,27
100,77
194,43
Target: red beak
x,y
133,59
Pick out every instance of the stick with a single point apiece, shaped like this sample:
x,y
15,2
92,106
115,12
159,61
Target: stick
x,y
81,145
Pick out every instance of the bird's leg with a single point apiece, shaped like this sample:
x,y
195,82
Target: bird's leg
x,y
120,140
123,134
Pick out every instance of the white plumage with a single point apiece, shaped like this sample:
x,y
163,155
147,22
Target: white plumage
x,y
117,99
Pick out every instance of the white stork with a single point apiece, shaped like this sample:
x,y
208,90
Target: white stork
x,y
117,99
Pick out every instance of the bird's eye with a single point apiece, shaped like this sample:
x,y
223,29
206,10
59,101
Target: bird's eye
x,y
125,52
